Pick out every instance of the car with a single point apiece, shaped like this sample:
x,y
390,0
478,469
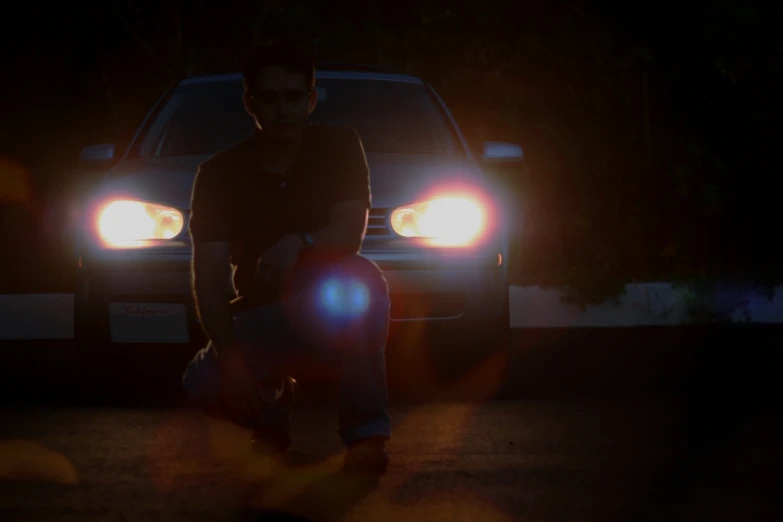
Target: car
x,y
437,227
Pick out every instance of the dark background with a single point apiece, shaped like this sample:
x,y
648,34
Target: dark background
x,y
650,128
651,133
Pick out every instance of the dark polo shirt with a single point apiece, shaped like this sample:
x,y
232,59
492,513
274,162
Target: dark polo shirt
x,y
235,200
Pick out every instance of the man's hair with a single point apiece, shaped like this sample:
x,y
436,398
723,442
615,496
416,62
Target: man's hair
x,y
289,56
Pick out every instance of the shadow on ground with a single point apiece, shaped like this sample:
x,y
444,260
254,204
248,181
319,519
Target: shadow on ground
x,y
533,363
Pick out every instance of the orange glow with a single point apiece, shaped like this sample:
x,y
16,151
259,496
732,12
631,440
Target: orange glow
x,y
22,460
445,221
14,182
129,223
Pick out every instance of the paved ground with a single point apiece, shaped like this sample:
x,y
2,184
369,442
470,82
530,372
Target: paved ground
x,y
497,461
565,425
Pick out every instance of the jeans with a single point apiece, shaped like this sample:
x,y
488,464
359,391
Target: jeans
x,y
338,318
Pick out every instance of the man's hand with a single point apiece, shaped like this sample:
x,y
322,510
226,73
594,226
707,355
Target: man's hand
x,y
279,260
240,390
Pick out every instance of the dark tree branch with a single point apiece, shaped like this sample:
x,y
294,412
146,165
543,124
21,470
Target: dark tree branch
x,y
257,26
140,40
109,97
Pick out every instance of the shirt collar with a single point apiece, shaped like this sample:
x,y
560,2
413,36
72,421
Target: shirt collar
x,y
304,147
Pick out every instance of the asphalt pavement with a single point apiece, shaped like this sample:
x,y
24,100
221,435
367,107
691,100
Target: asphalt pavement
x,y
557,425
596,460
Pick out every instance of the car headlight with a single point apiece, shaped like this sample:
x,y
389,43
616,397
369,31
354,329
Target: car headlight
x,y
447,221
127,222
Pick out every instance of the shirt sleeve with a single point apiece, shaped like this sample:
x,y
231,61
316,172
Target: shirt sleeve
x,y
352,176
209,216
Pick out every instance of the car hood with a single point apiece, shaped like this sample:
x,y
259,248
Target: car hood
x,y
395,179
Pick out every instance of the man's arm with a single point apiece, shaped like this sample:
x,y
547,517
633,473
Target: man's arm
x,y
351,198
211,282
211,268
346,229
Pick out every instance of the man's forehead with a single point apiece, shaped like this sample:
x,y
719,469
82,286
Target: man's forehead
x,y
276,78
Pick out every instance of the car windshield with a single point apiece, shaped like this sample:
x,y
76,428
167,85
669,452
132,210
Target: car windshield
x,y
390,117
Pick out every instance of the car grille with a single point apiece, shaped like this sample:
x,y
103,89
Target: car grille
x,y
378,222
434,305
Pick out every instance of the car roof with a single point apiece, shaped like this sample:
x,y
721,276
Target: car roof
x,y
330,73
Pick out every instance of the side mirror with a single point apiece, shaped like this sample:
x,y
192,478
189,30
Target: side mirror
x,y
498,151
97,154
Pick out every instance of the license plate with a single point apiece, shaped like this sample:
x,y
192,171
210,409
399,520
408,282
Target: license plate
x,y
148,323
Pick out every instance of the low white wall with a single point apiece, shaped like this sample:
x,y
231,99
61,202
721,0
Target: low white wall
x,y
644,304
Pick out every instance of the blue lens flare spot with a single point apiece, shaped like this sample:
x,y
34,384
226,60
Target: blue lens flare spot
x,y
345,298
359,298
331,296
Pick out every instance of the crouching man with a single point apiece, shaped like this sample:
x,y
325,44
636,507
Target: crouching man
x,y
287,210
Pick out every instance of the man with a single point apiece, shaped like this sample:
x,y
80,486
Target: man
x,y
288,209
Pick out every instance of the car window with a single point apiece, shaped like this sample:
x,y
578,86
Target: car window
x,y
391,117
198,119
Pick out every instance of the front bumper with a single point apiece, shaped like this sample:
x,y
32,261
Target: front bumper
x,y
424,286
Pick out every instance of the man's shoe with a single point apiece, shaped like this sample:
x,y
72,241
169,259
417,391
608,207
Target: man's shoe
x,y
367,457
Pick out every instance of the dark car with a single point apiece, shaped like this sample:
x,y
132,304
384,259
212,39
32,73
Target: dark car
x,y
435,229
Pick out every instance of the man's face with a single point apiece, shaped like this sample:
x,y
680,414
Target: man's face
x,y
281,102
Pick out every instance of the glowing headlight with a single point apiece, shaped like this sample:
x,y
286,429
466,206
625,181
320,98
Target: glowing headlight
x,y
126,222
446,221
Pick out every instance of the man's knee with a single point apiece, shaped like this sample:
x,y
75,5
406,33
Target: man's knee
x,y
347,297
357,283
365,270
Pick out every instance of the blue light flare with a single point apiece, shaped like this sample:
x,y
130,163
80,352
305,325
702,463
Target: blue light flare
x,y
348,299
